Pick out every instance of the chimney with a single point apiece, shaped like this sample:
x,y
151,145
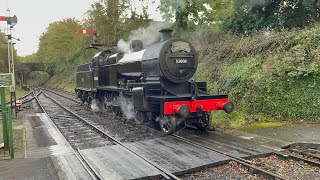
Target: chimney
x,y
165,34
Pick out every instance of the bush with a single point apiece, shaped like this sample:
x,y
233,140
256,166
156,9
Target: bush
x,y
272,76
251,17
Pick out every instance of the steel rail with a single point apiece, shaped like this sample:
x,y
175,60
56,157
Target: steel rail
x,y
305,153
61,95
311,162
20,98
165,173
24,96
236,159
241,161
85,164
59,90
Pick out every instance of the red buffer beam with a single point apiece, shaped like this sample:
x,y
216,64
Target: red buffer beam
x,y
3,18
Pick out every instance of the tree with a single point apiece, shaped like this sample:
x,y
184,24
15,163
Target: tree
x,y
105,17
111,20
188,14
3,54
252,16
61,41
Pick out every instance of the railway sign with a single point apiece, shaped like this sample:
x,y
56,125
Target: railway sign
x,y
6,80
10,20
3,18
86,31
14,20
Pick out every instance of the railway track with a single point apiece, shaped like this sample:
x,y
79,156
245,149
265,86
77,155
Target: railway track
x,y
253,164
85,164
25,99
70,124
309,152
68,95
238,160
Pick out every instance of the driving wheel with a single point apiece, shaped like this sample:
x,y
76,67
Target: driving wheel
x,y
140,117
114,104
168,124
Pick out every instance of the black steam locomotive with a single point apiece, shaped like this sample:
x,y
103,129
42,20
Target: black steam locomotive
x,y
153,84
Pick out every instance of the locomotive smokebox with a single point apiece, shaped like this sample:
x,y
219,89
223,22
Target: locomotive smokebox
x,y
165,34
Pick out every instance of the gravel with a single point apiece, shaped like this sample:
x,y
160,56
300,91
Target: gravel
x,y
287,168
120,128
230,170
310,153
79,134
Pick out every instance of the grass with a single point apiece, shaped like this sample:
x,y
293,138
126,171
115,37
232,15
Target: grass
x,y
261,125
64,80
269,77
18,133
18,137
19,93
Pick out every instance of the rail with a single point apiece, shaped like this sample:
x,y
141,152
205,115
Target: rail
x,y
165,173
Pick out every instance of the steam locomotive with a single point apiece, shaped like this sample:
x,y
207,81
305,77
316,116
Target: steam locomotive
x,y
155,83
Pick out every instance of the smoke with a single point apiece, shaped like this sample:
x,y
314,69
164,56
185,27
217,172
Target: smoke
x,y
148,35
127,108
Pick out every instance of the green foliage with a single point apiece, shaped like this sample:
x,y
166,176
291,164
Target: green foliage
x,y
189,15
252,16
61,41
223,120
30,58
62,48
268,76
107,18
63,80
3,54
38,78
256,126
19,93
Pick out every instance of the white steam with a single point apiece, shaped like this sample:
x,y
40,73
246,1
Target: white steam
x,y
95,106
127,108
148,35
126,105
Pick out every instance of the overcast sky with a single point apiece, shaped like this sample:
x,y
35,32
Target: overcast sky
x,y
34,17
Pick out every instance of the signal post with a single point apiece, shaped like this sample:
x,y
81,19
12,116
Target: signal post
x,y
8,80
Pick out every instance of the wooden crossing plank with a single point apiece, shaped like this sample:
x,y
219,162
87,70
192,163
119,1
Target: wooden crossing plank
x,y
176,156
115,162
229,144
132,165
100,164
112,158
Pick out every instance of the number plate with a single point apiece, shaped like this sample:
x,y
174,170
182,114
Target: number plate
x,y
181,61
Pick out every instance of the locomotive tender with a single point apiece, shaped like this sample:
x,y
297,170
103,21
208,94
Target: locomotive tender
x,y
156,81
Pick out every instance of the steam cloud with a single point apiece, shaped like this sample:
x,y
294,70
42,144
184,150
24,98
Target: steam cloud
x,y
148,35
95,106
126,107
125,104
